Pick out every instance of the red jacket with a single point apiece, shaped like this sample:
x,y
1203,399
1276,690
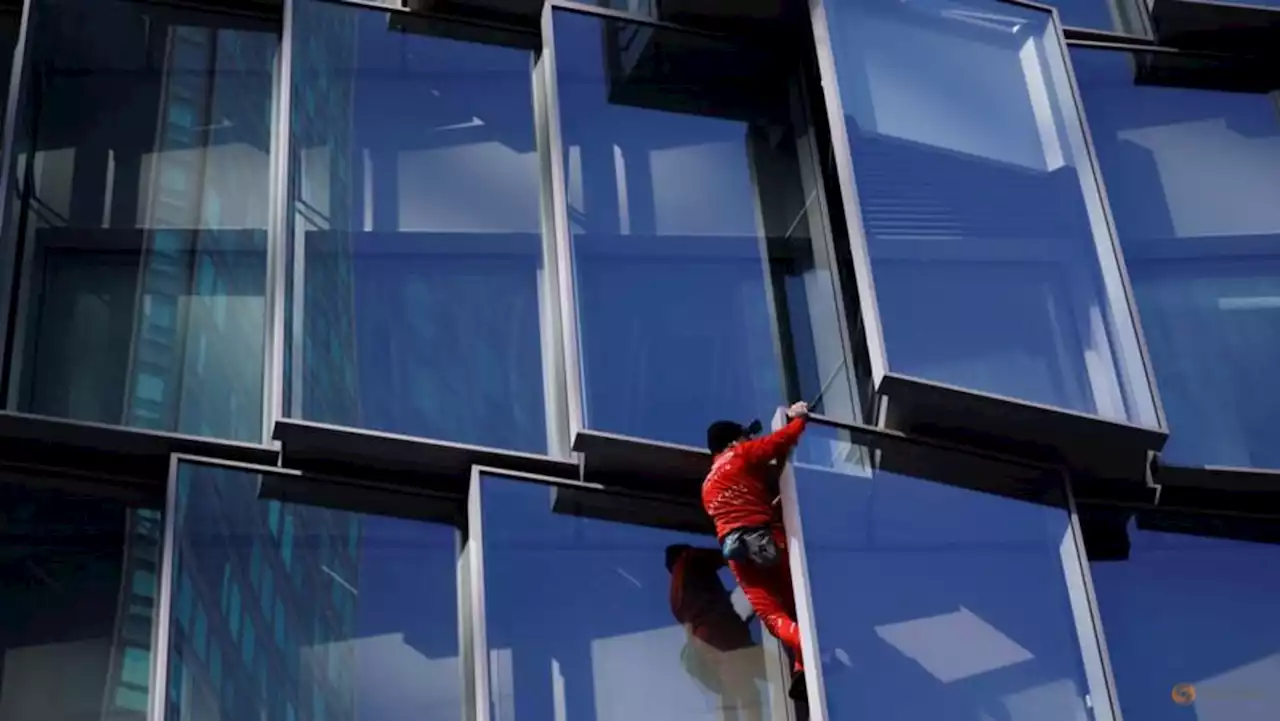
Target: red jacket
x,y
736,492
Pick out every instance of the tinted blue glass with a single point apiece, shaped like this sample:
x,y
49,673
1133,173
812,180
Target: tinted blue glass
x,y
394,656
144,164
957,602
416,262
697,240
76,604
583,617
1190,624
1191,176
992,260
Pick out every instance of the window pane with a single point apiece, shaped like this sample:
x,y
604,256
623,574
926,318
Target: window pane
x,y
956,600
397,656
416,231
697,240
1191,628
69,573
1192,176
993,264
145,168
584,621
1116,15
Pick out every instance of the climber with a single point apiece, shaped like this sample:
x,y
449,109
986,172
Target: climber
x,y
737,495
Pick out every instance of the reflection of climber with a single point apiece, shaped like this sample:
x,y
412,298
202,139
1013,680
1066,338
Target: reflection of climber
x,y
736,494
720,652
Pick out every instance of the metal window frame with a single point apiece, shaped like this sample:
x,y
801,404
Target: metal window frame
x,y
582,436
1233,72
558,257
9,233
475,525
279,236
290,422
1087,623
1176,477
910,398
346,488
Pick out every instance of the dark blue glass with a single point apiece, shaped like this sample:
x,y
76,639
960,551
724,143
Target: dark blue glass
x,y
1192,176
416,266
993,263
702,285
1113,15
143,166
1190,624
935,601
583,618
284,611
77,599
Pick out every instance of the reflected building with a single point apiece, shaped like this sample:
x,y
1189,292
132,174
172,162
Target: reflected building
x,y
248,636
321,362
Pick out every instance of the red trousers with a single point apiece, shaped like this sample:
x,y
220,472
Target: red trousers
x,y
770,593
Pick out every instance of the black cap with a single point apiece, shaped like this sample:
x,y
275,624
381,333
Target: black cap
x,y
722,433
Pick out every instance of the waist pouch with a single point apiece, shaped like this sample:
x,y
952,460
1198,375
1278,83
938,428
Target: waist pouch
x,y
751,545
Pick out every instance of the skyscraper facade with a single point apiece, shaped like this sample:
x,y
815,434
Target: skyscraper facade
x,y
358,357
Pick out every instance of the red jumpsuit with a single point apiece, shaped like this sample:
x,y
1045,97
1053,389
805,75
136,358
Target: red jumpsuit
x,y
736,495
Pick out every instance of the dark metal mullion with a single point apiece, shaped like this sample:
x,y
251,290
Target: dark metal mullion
x,y
1108,218
1090,598
278,236
13,253
474,609
849,201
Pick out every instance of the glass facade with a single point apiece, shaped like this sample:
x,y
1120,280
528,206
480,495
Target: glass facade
x,y
693,233
416,231
977,599
991,255
139,225
1190,174
588,599
78,584
284,611
448,241
1201,601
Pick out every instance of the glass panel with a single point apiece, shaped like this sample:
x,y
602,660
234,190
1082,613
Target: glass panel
x,y
144,160
77,589
1192,176
1191,628
697,236
417,246
970,614
1114,15
585,622
993,264
370,635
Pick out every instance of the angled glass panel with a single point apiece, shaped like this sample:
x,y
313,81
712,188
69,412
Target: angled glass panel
x,y
285,611
600,608
1191,175
1113,15
933,600
142,162
697,238
414,205
77,600
1190,624
993,265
